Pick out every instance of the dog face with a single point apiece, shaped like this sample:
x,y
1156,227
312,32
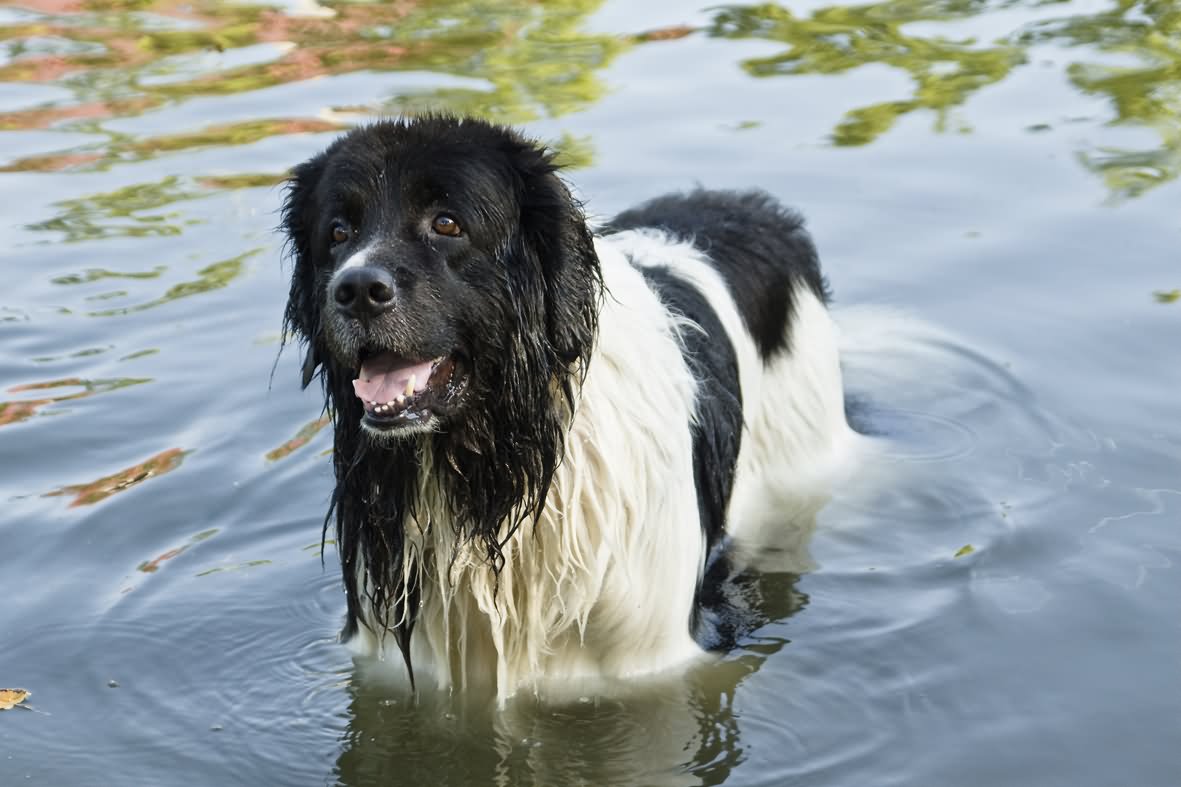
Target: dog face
x,y
441,268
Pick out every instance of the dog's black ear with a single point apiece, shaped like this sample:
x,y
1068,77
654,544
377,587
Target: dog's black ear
x,y
554,227
299,217
299,223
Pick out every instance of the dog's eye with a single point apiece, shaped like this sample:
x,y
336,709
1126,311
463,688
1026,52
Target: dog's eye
x,y
340,232
445,225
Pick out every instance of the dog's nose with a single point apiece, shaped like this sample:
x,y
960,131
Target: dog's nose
x,y
364,292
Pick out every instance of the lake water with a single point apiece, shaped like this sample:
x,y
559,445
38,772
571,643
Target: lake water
x,y
997,603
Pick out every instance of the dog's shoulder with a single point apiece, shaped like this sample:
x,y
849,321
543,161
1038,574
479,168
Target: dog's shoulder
x,y
759,247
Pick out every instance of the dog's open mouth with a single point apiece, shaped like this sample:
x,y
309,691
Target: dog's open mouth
x,y
400,391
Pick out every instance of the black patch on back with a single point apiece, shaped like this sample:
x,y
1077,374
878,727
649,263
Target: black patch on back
x,y
758,246
717,433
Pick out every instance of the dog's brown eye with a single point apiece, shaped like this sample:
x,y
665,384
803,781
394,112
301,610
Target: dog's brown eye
x,y
445,225
340,232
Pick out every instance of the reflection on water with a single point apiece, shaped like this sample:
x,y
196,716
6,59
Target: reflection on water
x,y
18,410
122,151
517,59
98,274
131,212
947,69
211,277
836,39
302,437
142,150
153,565
15,412
520,56
1145,92
100,489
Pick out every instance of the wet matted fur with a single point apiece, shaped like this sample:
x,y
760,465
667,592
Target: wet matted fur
x,y
542,433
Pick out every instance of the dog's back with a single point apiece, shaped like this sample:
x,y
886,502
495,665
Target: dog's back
x,y
787,406
758,246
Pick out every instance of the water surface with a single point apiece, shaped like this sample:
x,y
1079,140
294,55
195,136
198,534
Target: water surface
x,y
994,603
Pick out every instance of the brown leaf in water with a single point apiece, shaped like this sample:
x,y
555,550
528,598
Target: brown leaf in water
x,y
10,698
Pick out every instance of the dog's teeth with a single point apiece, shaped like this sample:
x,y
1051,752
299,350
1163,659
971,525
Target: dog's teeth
x,y
380,408
410,385
401,399
390,403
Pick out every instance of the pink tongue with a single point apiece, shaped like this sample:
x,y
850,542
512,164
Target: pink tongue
x,y
383,378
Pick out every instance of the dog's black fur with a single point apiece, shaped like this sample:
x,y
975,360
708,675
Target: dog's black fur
x,y
758,246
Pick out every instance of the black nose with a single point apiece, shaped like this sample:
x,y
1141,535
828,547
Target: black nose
x,y
364,291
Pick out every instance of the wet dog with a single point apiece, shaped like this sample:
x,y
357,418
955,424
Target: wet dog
x,y
545,434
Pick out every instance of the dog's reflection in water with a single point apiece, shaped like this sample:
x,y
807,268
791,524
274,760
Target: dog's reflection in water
x,y
671,730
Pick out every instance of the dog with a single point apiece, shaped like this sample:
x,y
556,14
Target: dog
x,y
544,433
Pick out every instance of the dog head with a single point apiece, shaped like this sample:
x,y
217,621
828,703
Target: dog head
x,y
443,276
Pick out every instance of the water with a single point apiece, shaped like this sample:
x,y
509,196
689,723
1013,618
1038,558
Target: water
x,y
1006,171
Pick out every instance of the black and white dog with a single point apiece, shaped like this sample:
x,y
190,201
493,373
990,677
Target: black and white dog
x,y
542,432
